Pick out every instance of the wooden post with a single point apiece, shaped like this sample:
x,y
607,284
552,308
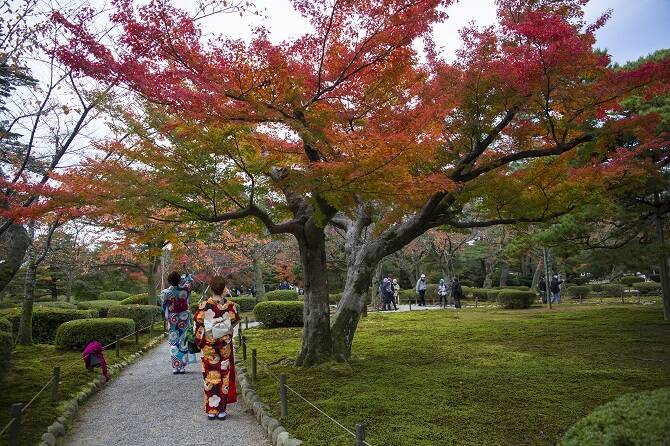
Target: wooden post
x,y
246,322
151,328
282,395
244,348
56,383
360,434
15,428
118,346
239,336
164,324
253,365
137,336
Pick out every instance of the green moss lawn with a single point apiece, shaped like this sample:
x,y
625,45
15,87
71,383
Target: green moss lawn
x,y
471,377
33,366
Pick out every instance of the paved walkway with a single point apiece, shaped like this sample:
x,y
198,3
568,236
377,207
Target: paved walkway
x,y
149,406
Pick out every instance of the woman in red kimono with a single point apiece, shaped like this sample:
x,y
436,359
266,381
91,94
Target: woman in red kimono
x,y
214,322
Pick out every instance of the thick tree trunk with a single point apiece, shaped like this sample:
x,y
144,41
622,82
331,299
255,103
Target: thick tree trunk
x,y
316,338
25,335
375,298
68,287
258,280
504,273
13,246
663,265
537,275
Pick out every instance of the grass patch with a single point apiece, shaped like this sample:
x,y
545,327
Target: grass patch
x,y
32,367
473,377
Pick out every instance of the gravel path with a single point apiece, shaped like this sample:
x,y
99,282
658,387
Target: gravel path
x,y
147,405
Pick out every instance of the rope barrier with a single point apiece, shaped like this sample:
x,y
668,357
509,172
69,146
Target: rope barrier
x,y
63,369
266,368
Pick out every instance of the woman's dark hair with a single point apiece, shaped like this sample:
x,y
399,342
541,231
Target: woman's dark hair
x,y
218,285
174,278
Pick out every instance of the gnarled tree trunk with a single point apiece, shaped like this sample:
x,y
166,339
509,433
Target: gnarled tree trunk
x,y
14,243
25,334
258,279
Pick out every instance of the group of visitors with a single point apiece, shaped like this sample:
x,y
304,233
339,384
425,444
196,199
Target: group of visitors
x,y
389,291
210,331
554,289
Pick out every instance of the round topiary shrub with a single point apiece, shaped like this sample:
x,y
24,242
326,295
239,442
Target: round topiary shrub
x,y
648,287
67,305
629,280
492,293
143,315
597,287
140,299
579,291
74,335
515,299
102,306
633,419
282,295
113,295
46,320
5,325
516,287
245,303
480,294
279,314
613,289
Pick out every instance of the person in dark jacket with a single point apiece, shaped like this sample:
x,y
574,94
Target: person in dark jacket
x,y
556,289
456,292
542,286
387,294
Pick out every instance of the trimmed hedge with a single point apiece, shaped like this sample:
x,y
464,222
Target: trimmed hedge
x,y
629,280
633,419
67,305
579,291
515,287
139,299
113,295
515,299
614,289
648,287
74,335
492,293
281,295
141,314
6,347
597,287
481,294
46,321
101,306
279,314
245,303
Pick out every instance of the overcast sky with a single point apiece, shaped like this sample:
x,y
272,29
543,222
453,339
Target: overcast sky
x,y
637,27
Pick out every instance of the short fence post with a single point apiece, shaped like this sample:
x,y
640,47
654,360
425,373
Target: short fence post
x,y
15,428
246,323
253,365
410,304
360,434
239,335
137,336
118,346
151,328
164,324
282,395
244,348
54,387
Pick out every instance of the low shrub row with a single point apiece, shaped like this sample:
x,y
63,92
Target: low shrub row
x,y
579,291
6,345
279,314
113,295
101,306
281,295
58,304
142,315
74,335
648,287
245,303
515,299
46,321
140,299
630,280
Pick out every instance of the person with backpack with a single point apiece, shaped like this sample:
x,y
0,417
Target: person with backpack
x,y
556,289
443,293
420,289
456,292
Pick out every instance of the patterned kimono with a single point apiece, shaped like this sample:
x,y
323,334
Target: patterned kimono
x,y
174,302
218,367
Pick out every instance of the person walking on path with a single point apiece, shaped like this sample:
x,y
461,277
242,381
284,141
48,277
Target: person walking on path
x,y
542,286
386,294
421,290
174,303
396,293
215,320
443,293
456,292
556,289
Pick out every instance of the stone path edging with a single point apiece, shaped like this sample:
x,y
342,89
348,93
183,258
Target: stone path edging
x,y
69,408
252,402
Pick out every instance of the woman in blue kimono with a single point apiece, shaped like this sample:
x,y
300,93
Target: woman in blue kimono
x,y
174,302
